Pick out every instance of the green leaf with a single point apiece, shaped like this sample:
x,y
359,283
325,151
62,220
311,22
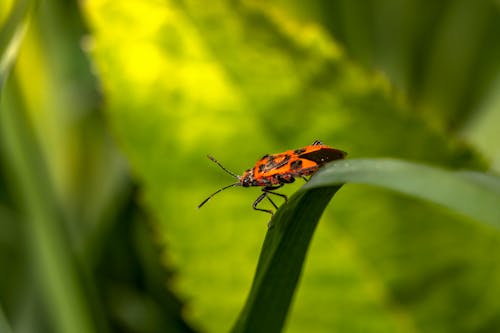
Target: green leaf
x,y
76,253
53,265
281,260
11,35
242,79
414,43
284,249
474,194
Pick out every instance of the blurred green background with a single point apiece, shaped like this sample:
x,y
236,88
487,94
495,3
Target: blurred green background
x,y
109,111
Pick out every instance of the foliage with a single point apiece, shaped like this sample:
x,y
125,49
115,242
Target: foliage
x,y
103,131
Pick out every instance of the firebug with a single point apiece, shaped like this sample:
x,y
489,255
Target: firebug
x,y
271,172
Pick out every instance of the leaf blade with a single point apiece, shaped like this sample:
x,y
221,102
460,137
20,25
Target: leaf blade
x,y
476,195
281,261
11,36
288,239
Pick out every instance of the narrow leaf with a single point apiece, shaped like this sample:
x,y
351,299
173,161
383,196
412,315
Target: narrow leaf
x,y
474,194
11,35
281,260
283,252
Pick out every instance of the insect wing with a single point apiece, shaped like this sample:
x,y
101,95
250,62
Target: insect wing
x,y
270,164
323,155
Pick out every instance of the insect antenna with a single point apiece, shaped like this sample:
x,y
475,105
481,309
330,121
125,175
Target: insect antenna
x,y
219,190
225,187
222,167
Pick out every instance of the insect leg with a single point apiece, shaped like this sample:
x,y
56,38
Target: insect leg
x,y
259,199
272,202
268,190
278,194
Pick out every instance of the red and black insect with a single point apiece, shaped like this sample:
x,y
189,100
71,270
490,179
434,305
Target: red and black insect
x,y
273,171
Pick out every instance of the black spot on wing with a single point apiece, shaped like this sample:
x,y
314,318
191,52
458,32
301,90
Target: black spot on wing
x,y
263,157
296,165
283,162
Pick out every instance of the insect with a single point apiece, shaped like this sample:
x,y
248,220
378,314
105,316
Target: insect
x,y
271,172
